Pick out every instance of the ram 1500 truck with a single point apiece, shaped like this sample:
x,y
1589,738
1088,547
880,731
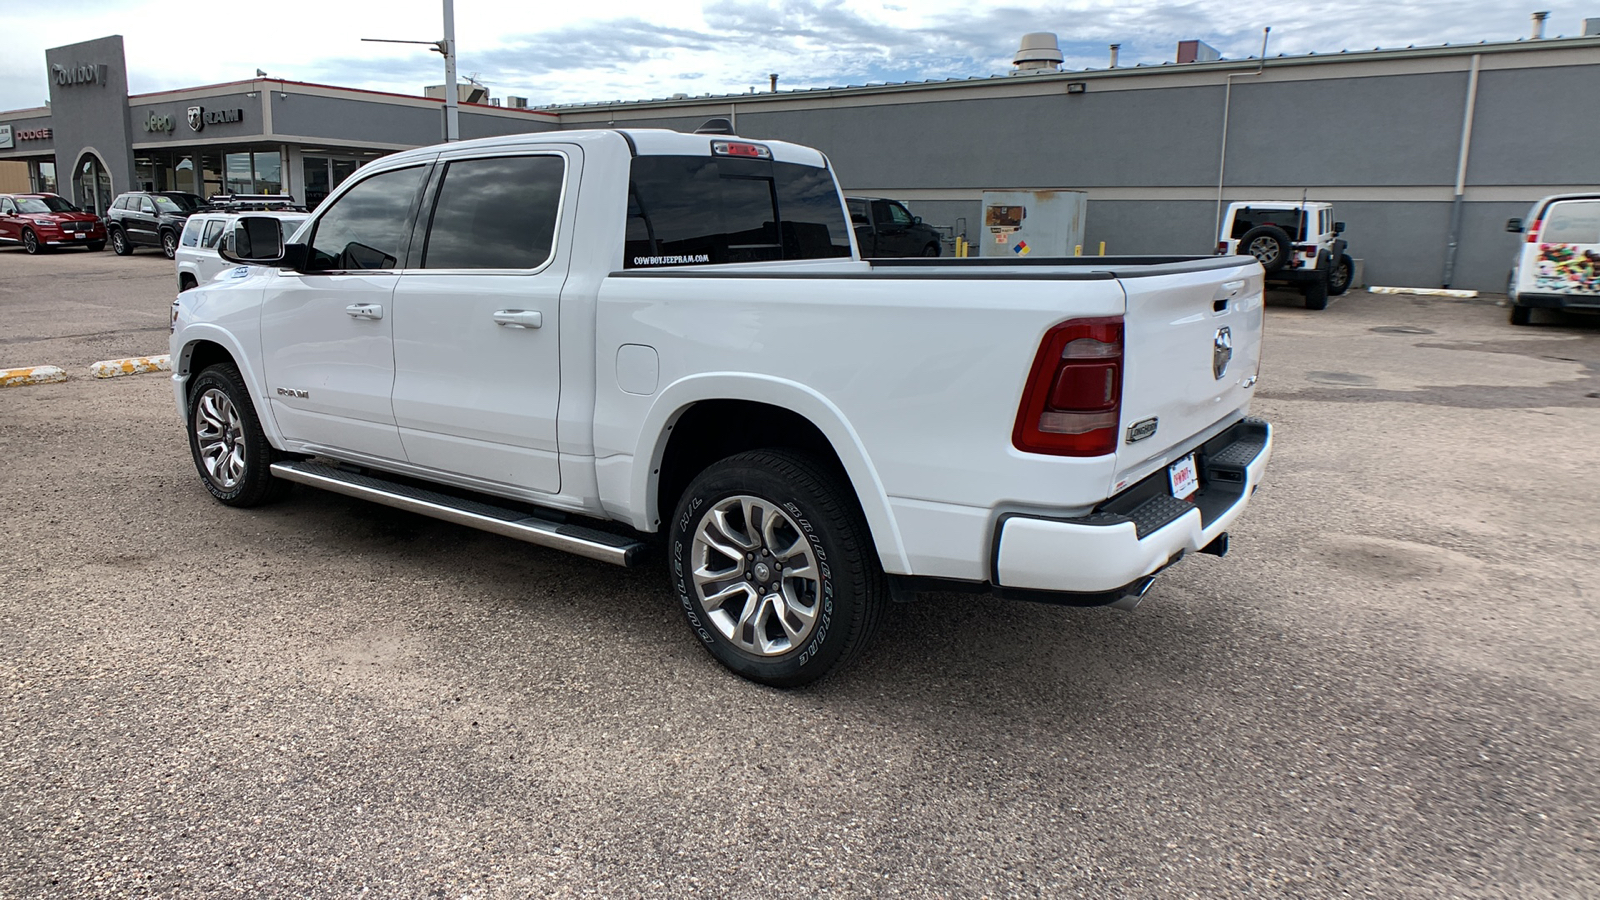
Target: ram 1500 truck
x,y
599,341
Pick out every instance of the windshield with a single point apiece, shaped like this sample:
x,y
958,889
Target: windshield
x,y
168,205
43,205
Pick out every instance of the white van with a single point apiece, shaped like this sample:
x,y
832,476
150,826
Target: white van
x,y
196,256
1558,266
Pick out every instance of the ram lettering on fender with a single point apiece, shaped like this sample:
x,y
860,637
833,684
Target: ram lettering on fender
x,y
138,365
31,375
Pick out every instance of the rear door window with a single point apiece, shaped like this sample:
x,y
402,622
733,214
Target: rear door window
x,y
1572,222
688,210
213,232
496,213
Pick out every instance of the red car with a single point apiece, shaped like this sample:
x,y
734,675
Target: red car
x,y
41,222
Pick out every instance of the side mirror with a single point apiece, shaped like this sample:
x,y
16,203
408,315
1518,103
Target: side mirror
x,y
254,241
1338,228
916,220
1514,226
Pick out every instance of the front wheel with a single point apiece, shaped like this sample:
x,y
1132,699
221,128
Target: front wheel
x,y
1521,315
230,449
1340,275
96,246
931,250
169,244
119,243
30,242
774,567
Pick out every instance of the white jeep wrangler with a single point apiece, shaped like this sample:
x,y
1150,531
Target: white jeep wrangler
x,y
1295,242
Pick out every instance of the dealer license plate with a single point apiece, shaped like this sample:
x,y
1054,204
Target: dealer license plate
x,y
1185,477
80,235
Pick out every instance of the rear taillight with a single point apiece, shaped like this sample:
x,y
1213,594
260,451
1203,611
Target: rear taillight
x,y
1533,231
1072,403
1222,248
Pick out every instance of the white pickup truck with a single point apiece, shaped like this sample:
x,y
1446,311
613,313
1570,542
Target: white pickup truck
x,y
608,341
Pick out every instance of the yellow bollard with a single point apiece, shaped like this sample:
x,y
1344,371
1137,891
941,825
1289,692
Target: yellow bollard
x,y
1077,250
1102,248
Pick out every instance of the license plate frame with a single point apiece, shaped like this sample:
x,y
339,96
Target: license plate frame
x,y
1183,477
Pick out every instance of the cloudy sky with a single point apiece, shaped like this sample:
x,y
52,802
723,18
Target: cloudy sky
x,y
630,49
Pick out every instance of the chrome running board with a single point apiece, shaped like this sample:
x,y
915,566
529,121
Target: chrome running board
x,y
577,539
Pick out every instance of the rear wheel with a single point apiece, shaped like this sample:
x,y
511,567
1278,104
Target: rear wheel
x,y
1339,277
774,567
1316,292
931,250
30,242
230,450
119,243
186,281
1521,315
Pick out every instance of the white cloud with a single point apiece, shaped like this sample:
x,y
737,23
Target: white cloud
x,y
563,53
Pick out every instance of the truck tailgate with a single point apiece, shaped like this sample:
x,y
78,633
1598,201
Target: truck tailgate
x,y
1192,345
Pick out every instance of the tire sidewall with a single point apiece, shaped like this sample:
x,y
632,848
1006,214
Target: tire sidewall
x,y
252,487
823,648
30,241
119,243
169,244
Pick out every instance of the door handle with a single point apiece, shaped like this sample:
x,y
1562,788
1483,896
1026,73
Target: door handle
x,y
519,318
364,311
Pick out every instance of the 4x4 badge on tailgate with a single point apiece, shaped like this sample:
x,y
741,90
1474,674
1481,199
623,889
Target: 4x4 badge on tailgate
x,y
1221,351
1142,429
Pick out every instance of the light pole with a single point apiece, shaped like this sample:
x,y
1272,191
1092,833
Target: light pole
x,y
447,49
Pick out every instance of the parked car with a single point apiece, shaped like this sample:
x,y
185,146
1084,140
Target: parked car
x,y
604,335
203,234
1558,265
150,219
1297,244
41,222
885,229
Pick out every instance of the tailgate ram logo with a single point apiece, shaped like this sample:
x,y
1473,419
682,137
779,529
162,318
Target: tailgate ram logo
x,y
1221,352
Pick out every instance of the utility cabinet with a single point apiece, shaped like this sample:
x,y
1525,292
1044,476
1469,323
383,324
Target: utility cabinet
x,y
1020,224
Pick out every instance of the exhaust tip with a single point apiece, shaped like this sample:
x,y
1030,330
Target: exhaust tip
x,y
1135,594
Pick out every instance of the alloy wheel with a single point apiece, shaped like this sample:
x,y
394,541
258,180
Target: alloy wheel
x,y
756,575
220,436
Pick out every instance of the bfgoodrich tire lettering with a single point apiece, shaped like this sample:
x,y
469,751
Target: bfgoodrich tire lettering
x,y
774,567
230,450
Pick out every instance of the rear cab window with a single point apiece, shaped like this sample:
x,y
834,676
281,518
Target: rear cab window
x,y
705,210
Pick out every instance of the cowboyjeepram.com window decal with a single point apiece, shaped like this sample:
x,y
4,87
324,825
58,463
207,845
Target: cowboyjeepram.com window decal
x,y
694,210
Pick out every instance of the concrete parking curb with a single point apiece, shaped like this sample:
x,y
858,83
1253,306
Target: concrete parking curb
x,y
112,368
31,375
1425,292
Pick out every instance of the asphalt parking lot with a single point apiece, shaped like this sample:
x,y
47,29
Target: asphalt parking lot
x,y
1387,689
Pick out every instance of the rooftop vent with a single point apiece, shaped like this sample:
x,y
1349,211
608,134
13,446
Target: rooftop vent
x,y
1538,24
1591,27
1196,51
517,102
1039,53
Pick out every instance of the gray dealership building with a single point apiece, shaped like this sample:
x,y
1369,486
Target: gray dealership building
x,y
1420,150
